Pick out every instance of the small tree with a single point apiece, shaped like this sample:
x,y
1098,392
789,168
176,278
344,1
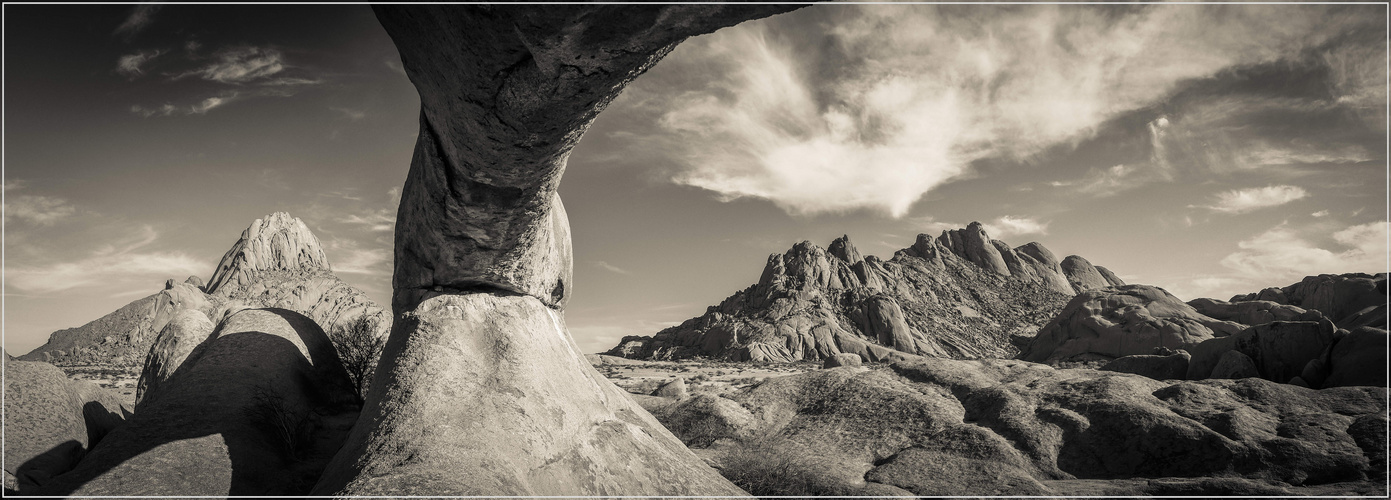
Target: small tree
x,y
359,347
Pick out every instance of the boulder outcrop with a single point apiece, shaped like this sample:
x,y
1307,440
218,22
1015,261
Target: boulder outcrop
x,y
51,422
947,427
175,342
1122,321
1350,300
552,427
960,295
255,410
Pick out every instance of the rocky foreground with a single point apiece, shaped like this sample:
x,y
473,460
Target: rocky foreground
x,y
959,295
1004,427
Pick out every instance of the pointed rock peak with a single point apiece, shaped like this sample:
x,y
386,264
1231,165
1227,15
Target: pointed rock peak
x,y
845,250
278,242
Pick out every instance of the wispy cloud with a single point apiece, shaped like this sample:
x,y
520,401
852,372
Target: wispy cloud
x,y
34,209
201,107
1320,213
241,65
608,267
117,263
140,17
381,219
130,64
1009,226
895,102
1239,201
349,113
348,256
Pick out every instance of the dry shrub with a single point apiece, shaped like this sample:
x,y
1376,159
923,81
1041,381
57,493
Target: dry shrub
x,y
778,467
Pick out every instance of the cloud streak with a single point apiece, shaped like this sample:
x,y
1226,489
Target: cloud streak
x,y
1239,201
140,17
1008,226
34,209
241,65
130,64
114,265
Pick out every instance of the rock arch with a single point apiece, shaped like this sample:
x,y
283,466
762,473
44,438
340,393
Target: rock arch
x,y
481,390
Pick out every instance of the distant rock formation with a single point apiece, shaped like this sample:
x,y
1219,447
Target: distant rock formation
x,y
1350,300
277,262
1120,321
1270,334
960,295
278,243
1005,427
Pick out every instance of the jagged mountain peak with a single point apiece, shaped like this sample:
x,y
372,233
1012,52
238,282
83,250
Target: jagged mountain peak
x,y
277,242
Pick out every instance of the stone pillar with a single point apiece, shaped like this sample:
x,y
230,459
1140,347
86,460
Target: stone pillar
x,y
481,390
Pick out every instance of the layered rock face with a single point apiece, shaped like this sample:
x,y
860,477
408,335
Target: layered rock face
x,y
960,295
483,263
277,262
1003,427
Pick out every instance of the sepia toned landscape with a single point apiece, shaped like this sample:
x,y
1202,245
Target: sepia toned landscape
x,y
834,250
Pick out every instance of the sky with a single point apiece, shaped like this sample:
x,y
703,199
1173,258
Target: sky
x,y
1208,149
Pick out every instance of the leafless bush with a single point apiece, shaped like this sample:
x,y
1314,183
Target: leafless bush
x,y
359,348
288,427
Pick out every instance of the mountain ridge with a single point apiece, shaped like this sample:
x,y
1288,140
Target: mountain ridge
x,y
960,295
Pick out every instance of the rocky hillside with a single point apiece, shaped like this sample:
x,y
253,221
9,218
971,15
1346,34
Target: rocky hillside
x,y
277,262
959,295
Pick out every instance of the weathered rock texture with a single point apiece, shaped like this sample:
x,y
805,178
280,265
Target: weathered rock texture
x,y
277,262
960,295
50,422
175,342
1121,321
486,394
257,409
1002,427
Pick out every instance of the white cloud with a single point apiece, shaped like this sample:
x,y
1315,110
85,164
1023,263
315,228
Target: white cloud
x,y
609,267
113,265
130,64
906,99
139,18
241,65
1007,226
1320,213
1239,201
34,209
1281,254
